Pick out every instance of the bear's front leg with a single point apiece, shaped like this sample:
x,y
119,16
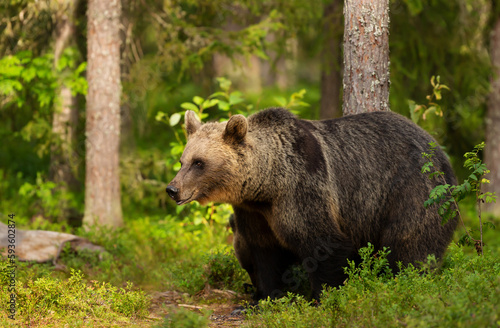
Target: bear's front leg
x,y
260,253
312,233
324,260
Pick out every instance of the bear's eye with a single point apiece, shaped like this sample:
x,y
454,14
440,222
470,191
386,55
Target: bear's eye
x,y
198,164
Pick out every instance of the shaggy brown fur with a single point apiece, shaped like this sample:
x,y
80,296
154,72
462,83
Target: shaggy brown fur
x,y
315,192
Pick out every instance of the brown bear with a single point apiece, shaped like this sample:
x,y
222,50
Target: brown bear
x,y
314,192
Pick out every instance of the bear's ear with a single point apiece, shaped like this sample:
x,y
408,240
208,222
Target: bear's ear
x,y
236,128
192,122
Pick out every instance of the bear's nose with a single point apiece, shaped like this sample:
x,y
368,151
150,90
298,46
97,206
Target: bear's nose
x,y
172,191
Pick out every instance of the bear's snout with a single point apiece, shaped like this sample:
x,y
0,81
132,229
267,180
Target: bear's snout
x,y
172,192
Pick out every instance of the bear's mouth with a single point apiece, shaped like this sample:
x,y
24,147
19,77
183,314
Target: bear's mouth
x,y
187,200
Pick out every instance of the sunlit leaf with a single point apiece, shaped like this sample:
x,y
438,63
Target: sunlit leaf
x,y
190,106
174,119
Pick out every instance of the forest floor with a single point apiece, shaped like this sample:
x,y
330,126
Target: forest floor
x,y
219,303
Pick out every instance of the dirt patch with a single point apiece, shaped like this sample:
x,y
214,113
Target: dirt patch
x,y
221,304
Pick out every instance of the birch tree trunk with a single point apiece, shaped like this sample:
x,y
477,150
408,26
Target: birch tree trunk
x,y
102,183
366,56
492,149
331,62
65,116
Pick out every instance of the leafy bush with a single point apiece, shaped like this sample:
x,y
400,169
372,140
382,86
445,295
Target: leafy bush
x,y
466,292
45,197
218,269
48,300
223,271
448,196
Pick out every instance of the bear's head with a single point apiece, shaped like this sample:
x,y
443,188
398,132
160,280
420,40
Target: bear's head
x,y
211,165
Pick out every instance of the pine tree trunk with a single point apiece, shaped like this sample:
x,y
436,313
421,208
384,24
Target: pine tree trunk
x,y
65,116
366,56
102,183
492,149
331,62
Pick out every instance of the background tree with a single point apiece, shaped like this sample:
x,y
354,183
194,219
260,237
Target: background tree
x,y
102,179
366,56
65,117
492,149
331,82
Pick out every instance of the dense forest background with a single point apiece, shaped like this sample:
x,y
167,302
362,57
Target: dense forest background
x,y
219,58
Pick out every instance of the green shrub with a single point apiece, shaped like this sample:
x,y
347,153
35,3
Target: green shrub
x,y
464,293
223,271
184,318
52,300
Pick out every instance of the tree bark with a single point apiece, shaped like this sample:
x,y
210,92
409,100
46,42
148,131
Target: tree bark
x,y
331,61
102,183
366,56
492,148
65,116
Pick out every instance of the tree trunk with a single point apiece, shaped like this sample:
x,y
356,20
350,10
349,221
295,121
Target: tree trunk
x,y
366,56
102,183
127,140
331,62
492,149
65,116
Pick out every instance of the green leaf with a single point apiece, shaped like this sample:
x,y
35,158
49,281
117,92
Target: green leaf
x,y
82,67
281,101
209,103
223,105
224,83
489,225
28,74
198,100
415,7
174,119
219,94
190,106
464,240
8,87
437,94
160,116
176,167
10,71
177,150
261,54
235,98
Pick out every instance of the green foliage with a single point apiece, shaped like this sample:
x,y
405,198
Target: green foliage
x,y
52,300
181,317
448,196
127,301
21,73
187,277
28,87
464,293
223,271
26,25
217,268
421,111
449,39
373,267
45,197
296,102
